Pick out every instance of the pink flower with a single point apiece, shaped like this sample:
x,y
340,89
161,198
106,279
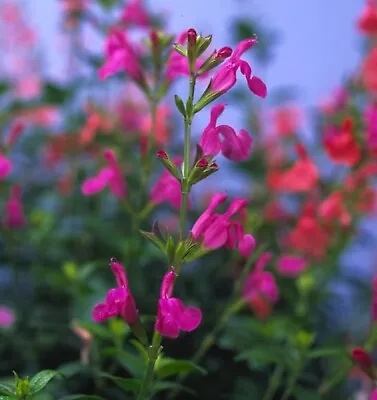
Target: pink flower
x,y
371,125
6,166
291,265
172,315
120,55
16,130
135,13
119,300
224,138
226,77
15,217
217,230
7,317
373,395
260,288
167,188
109,176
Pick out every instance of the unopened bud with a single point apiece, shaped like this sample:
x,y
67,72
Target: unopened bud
x,y
364,361
168,163
202,163
191,37
162,154
223,53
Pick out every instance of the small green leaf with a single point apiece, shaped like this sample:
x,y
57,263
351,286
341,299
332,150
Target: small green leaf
x,y
141,349
168,367
41,379
132,362
108,3
8,398
6,390
154,240
180,105
126,384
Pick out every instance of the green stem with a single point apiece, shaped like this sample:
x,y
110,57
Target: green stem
x,y
209,341
153,354
186,157
274,383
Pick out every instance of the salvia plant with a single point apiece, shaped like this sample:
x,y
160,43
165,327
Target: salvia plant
x,y
130,268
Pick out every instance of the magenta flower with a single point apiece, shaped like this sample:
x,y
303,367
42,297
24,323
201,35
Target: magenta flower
x,y
109,176
6,166
373,395
172,315
135,14
15,217
167,188
119,301
120,55
7,317
217,230
226,77
291,265
223,138
371,126
260,288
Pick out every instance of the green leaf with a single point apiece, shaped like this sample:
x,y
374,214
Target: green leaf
x,y
331,352
132,362
99,331
54,94
154,240
168,367
161,386
41,379
8,398
4,87
306,394
141,350
126,384
81,397
6,390
108,3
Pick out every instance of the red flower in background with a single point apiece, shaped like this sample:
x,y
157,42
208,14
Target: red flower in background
x,y
301,177
367,22
341,146
369,71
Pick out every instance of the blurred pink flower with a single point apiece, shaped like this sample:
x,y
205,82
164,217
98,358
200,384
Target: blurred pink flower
x,y
135,14
6,166
119,301
7,317
260,289
224,138
15,217
291,265
162,132
120,55
109,176
373,395
172,315
28,88
370,117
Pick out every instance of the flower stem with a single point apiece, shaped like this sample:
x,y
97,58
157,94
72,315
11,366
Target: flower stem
x,y
274,383
208,342
186,156
153,354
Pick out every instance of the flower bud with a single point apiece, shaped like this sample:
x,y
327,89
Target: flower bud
x,y
364,361
168,163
